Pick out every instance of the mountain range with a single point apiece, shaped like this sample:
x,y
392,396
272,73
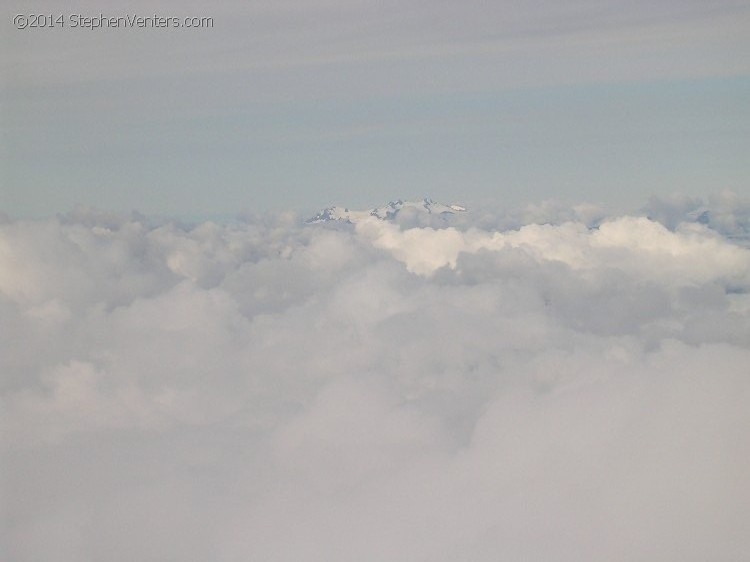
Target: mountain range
x,y
386,212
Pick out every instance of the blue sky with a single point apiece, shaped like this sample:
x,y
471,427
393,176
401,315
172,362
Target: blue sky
x,y
299,105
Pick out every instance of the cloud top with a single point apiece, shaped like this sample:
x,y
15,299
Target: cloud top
x,y
548,383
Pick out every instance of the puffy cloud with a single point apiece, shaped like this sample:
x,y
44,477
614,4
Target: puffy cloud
x,y
547,383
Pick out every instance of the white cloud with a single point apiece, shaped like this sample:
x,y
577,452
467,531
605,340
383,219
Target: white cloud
x,y
570,390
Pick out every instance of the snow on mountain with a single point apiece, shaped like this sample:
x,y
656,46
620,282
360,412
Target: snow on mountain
x,y
386,212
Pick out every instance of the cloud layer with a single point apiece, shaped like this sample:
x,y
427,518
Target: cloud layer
x,y
544,384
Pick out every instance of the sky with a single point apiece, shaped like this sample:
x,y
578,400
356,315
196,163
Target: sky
x,y
290,105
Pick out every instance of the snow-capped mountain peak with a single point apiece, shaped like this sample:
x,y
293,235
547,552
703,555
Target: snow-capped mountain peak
x,y
386,212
